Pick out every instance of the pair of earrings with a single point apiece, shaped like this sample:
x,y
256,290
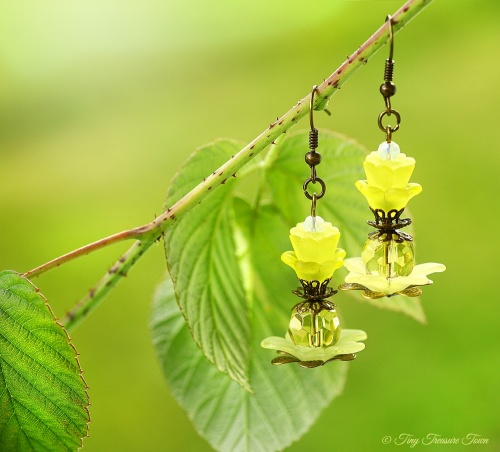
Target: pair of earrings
x,y
387,264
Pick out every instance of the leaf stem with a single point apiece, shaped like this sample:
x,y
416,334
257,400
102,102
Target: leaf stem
x,y
84,250
119,270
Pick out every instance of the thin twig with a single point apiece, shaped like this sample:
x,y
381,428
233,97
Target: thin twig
x,y
119,270
84,250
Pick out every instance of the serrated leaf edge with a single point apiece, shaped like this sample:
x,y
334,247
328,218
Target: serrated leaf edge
x,y
70,343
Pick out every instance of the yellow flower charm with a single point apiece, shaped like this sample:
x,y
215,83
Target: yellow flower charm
x,y
344,349
377,286
315,256
388,172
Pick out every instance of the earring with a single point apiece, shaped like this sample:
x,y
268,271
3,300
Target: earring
x,y
314,335
387,263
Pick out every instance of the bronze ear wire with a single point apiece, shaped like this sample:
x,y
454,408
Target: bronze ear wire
x,y
388,88
313,159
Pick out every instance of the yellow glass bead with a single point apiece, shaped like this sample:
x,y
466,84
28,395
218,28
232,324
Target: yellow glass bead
x,y
388,258
314,326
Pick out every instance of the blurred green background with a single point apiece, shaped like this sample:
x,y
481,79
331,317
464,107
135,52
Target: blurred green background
x,y
102,101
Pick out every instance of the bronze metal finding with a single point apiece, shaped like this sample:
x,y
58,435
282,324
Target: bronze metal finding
x,y
286,358
313,159
388,88
314,290
410,291
388,225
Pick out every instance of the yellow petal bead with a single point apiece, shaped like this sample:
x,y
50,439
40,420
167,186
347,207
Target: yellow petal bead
x,y
315,256
318,246
386,174
390,199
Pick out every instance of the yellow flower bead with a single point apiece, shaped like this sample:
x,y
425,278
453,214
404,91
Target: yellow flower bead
x,y
387,200
386,186
314,271
315,255
386,174
358,274
348,342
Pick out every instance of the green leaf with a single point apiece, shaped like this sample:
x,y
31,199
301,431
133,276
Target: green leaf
x,y
286,400
224,261
412,307
202,262
43,396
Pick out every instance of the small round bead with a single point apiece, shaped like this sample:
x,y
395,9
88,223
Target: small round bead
x,y
313,158
388,89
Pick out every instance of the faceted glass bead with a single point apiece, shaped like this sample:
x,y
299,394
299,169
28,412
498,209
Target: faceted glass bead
x,y
314,328
388,258
389,151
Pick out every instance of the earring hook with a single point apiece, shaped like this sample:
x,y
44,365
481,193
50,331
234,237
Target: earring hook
x,y
311,106
388,88
391,37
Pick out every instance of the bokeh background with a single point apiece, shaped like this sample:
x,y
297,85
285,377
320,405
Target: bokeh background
x,y
102,101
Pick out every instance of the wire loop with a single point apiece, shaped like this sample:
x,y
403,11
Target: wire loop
x,y
321,182
389,113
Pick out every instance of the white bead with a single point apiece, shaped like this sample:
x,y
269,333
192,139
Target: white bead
x,y
388,151
313,224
